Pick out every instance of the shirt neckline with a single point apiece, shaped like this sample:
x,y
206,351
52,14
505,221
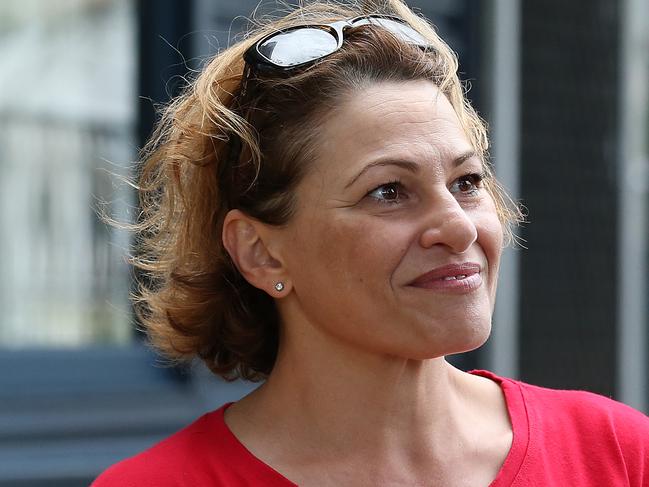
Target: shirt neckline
x,y
519,419
238,451
516,409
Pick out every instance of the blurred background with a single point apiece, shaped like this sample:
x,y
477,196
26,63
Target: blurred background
x,y
563,85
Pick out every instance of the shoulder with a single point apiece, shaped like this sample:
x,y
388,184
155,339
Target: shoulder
x,y
584,414
172,462
574,405
585,407
593,426
576,437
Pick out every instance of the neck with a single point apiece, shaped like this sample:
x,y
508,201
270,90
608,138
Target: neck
x,y
333,401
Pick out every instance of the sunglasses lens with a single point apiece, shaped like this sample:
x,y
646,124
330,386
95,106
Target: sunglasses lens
x,y
298,46
399,29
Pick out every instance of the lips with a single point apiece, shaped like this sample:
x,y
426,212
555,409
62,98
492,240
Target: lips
x,y
451,273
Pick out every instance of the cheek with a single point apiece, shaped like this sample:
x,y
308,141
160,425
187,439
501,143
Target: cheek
x,y
355,251
352,251
490,235
490,239
490,229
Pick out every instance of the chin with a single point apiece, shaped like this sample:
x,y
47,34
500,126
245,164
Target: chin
x,y
477,336
474,344
465,340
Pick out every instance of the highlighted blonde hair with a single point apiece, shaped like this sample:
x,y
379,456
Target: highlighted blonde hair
x,y
192,300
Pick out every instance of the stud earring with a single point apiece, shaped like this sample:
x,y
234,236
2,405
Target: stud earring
x,y
279,287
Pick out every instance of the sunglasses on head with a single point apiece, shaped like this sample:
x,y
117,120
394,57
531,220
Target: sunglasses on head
x,y
298,47
302,45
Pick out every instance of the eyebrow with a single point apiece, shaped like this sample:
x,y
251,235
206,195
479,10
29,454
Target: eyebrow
x,y
408,165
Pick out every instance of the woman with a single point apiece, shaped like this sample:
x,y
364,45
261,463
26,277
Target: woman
x,y
318,213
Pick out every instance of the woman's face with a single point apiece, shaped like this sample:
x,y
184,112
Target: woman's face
x,y
395,244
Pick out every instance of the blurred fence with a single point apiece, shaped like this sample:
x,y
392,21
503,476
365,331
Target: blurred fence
x,y
63,276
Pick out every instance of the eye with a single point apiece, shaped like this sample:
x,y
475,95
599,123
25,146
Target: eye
x,y
467,184
391,193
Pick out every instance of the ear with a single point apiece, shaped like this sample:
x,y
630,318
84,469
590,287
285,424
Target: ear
x,y
246,239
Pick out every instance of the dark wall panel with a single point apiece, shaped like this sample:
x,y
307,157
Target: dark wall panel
x,y
569,103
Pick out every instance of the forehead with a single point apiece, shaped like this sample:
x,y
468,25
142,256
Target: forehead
x,y
410,119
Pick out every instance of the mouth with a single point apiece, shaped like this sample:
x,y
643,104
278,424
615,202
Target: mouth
x,y
458,278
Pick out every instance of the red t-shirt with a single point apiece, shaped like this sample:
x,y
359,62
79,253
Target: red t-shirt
x,y
561,438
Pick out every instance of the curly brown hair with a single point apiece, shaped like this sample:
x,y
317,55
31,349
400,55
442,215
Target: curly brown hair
x,y
192,301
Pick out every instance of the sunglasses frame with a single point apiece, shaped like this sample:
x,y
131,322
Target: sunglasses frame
x,y
256,60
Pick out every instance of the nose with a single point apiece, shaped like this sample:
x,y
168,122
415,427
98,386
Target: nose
x,y
447,223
